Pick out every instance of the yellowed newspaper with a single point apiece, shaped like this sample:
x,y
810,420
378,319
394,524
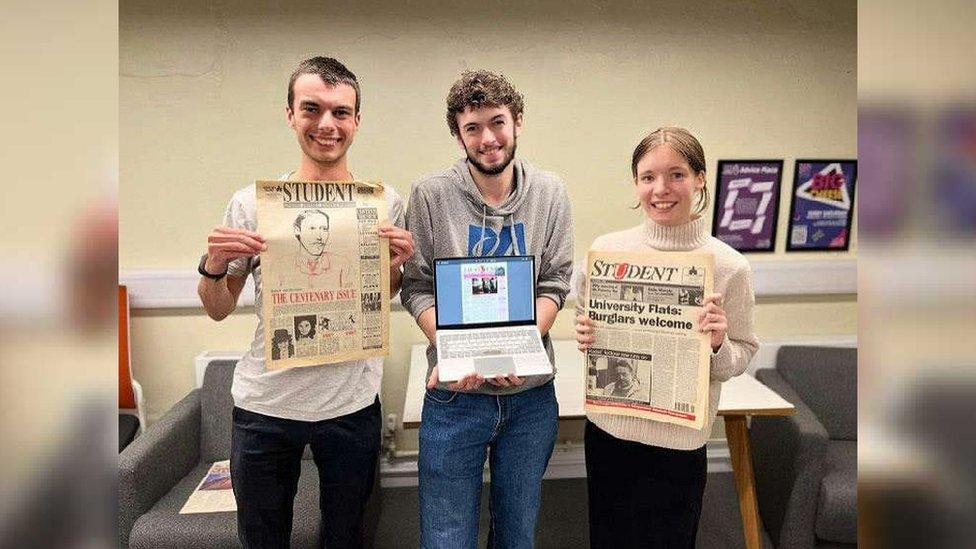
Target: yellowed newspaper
x,y
325,274
649,359
214,493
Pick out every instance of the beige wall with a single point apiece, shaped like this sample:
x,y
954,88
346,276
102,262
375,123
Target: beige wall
x,y
202,113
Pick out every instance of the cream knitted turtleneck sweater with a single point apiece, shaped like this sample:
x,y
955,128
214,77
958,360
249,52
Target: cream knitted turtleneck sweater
x,y
733,280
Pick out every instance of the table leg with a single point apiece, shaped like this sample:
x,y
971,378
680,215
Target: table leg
x,y
738,438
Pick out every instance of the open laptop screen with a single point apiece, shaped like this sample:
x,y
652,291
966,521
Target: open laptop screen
x,y
484,291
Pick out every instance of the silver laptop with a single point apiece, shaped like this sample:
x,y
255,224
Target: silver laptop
x,y
486,317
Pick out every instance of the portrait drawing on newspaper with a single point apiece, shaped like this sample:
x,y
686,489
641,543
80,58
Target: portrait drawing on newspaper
x,y
326,287
649,360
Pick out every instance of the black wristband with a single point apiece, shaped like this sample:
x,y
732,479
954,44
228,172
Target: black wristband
x,y
203,271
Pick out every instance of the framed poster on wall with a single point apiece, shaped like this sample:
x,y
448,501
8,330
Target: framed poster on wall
x,y
955,155
747,204
822,206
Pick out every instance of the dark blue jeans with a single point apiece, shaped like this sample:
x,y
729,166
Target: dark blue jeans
x,y
266,462
456,432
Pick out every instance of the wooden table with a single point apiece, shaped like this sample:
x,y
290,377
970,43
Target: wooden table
x,y
742,396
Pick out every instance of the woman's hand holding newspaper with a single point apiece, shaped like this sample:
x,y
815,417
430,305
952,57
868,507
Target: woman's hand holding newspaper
x,y
712,319
584,332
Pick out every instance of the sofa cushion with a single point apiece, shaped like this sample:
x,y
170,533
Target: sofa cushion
x,y
163,527
216,410
826,379
837,508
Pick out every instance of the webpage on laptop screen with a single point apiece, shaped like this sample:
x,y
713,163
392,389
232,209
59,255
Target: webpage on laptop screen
x,y
484,291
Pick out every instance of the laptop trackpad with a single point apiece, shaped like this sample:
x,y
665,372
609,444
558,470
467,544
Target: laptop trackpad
x,y
494,365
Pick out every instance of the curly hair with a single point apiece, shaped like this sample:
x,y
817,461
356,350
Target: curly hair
x,y
481,88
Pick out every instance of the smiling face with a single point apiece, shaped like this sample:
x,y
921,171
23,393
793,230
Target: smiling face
x,y
666,186
324,118
488,136
304,328
625,377
314,233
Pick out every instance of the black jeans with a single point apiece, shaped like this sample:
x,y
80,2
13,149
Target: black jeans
x,y
266,463
640,495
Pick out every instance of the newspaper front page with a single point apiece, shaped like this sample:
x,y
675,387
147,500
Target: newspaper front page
x,y
649,360
326,272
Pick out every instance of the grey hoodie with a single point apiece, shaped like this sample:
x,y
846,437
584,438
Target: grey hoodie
x,y
449,218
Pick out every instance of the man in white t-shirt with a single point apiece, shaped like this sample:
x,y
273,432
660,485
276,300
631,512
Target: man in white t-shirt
x,y
332,408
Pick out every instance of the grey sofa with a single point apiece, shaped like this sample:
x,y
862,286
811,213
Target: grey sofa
x,y
806,464
159,470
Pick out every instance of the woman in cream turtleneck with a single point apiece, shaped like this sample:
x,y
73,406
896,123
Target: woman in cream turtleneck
x,y
645,478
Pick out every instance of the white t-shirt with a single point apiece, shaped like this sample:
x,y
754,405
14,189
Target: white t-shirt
x,y
311,393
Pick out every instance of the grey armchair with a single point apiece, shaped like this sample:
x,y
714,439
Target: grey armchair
x,y
806,464
159,470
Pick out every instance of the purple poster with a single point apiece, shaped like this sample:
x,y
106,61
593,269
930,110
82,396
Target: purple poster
x,y
888,144
955,193
823,205
747,203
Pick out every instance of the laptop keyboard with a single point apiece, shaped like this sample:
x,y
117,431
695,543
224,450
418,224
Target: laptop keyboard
x,y
514,342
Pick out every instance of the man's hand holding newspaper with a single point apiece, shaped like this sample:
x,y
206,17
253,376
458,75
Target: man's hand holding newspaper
x,y
225,244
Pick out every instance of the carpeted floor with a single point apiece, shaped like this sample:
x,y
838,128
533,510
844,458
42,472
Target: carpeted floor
x,y
563,517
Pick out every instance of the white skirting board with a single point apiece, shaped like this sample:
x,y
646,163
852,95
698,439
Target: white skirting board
x,y
567,461
169,289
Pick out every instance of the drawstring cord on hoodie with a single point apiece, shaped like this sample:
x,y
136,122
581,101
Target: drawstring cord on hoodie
x,y
511,228
477,248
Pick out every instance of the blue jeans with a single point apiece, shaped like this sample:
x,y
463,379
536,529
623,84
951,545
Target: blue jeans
x,y
456,432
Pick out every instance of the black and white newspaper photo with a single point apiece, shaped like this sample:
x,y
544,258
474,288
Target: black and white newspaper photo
x,y
326,293
649,359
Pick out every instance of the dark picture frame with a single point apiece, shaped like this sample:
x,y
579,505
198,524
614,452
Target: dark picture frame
x,y
808,211
724,221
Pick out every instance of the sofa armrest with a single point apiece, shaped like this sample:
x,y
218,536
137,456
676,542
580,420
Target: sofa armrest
x,y
789,454
154,462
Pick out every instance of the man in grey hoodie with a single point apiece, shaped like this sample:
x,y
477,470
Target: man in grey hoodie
x,y
487,204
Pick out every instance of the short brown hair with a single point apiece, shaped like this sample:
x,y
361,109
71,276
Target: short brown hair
x,y
682,142
330,70
481,88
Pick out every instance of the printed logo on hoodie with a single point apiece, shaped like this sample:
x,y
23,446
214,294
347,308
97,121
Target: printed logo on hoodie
x,y
494,245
